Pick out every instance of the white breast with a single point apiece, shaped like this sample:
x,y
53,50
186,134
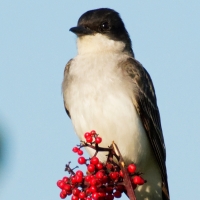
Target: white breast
x,y
99,98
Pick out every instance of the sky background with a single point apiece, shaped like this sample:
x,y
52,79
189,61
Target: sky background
x,y
36,136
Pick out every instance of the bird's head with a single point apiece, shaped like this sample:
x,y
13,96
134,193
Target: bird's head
x,y
102,29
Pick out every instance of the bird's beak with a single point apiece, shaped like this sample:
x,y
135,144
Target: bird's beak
x,y
81,30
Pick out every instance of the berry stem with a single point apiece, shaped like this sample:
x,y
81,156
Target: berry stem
x,y
127,181
68,168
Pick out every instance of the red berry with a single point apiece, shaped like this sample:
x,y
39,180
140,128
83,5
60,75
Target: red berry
x,y
99,175
65,179
98,140
117,194
109,166
73,179
61,184
80,152
63,194
93,189
82,195
67,187
76,192
74,197
95,195
109,189
109,197
89,139
93,132
87,191
91,168
104,179
102,195
131,168
69,192
79,179
138,180
120,188
58,183
93,182
114,175
79,173
87,134
88,178
94,160
99,166
81,160
75,149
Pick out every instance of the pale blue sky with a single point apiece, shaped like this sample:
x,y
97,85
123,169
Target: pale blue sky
x,y
35,45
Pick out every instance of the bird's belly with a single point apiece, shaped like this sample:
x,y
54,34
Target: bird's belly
x,y
111,113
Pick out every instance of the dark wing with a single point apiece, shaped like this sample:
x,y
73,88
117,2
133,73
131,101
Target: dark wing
x,y
66,72
146,107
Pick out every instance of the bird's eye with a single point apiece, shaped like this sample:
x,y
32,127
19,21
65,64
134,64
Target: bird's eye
x,y
104,27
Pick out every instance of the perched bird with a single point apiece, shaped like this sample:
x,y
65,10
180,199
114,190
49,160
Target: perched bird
x,y
106,89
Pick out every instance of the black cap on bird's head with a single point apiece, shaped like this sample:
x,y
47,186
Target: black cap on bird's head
x,y
106,22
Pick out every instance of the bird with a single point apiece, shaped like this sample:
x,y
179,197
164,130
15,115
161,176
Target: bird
x,y
107,90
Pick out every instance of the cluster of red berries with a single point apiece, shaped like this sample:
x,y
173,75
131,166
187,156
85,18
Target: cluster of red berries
x,y
101,181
